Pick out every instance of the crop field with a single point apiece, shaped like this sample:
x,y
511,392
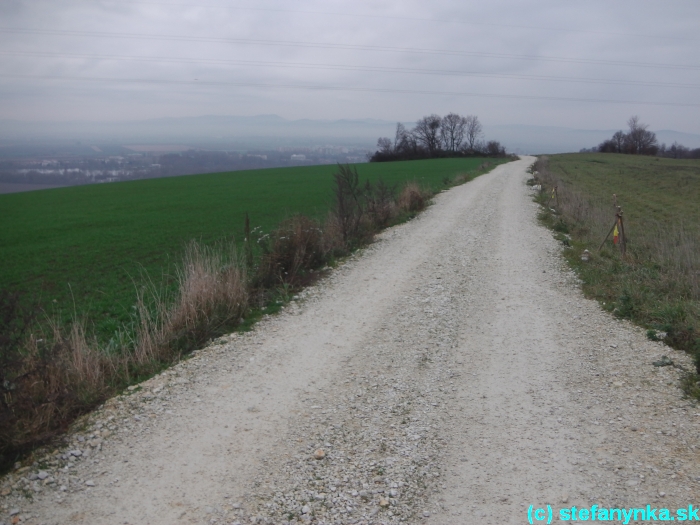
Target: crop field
x,y
656,283
649,189
82,251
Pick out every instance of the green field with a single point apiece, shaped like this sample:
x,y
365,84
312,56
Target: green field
x,y
656,283
83,249
649,189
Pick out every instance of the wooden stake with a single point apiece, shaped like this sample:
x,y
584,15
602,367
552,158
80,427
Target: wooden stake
x,y
554,196
623,240
621,233
608,235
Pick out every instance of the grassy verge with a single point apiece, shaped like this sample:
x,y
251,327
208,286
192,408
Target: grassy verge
x,y
656,284
51,372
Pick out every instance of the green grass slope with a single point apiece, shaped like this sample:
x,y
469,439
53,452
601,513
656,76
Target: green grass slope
x,y
83,249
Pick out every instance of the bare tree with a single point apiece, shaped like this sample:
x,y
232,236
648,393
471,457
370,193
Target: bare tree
x,y
399,135
607,146
619,139
638,141
472,130
427,132
452,131
678,151
402,139
641,140
384,145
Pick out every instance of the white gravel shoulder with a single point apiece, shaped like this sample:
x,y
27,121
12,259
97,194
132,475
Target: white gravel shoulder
x,y
450,373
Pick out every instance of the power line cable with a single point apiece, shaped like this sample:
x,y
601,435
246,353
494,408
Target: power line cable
x,y
341,67
331,45
349,89
395,17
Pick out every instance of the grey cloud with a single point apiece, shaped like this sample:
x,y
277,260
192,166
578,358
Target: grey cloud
x,y
65,73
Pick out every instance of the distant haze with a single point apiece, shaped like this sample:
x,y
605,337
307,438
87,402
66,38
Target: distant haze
x,y
255,131
548,63
270,131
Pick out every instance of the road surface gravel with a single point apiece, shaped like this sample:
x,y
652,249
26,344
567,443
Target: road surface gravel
x,y
450,373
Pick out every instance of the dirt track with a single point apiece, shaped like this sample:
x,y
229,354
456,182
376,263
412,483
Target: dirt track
x,y
451,373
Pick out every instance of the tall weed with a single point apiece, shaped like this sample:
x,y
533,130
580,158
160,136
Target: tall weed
x,y
52,376
412,198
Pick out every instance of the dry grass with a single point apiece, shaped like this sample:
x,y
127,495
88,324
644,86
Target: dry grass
x,y
51,384
381,204
333,236
59,375
212,295
412,198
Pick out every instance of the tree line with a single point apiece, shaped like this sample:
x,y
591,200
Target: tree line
x,y
640,141
434,137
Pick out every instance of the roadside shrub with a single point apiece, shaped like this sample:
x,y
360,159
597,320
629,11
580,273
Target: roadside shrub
x,y
411,199
333,237
297,246
348,205
381,203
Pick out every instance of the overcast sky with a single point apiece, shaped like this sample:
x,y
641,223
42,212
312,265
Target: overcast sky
x,y
585,64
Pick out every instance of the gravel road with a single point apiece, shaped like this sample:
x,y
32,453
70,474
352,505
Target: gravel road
x,y
450,373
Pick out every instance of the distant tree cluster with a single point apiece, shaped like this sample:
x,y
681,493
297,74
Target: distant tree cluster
x,y
678,151
434,136
640,141
637,141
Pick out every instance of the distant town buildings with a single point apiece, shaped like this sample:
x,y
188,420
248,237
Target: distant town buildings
x,y
68,168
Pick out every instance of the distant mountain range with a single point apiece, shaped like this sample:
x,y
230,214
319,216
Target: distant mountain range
x,y
274,131
256,131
